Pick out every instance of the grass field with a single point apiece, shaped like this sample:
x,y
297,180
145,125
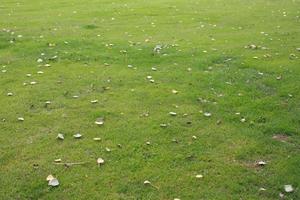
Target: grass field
x,y
229,69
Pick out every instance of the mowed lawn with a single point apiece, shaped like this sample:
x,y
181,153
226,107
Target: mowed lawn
x,y
187,88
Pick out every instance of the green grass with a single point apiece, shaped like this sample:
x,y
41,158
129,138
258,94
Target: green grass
x,y
207,36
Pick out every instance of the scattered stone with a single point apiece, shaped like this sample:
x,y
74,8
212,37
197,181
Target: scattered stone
x,y
9,94
57,160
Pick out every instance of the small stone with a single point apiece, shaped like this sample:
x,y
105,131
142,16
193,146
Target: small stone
x,y
9,94
97,139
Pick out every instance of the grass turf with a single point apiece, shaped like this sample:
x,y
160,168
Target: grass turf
x,y
203,56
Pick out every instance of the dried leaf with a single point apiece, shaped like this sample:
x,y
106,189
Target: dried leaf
x,y
99,121
199,176
174,91
77,136
60,136
207,114
146,182
100,161
49,177
54,182
261,163
94,101
173,113
21,119
288,188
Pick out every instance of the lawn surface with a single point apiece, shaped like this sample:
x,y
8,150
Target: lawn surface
x,y
234,106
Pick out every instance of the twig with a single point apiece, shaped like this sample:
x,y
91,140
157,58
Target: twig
x,y
71,164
